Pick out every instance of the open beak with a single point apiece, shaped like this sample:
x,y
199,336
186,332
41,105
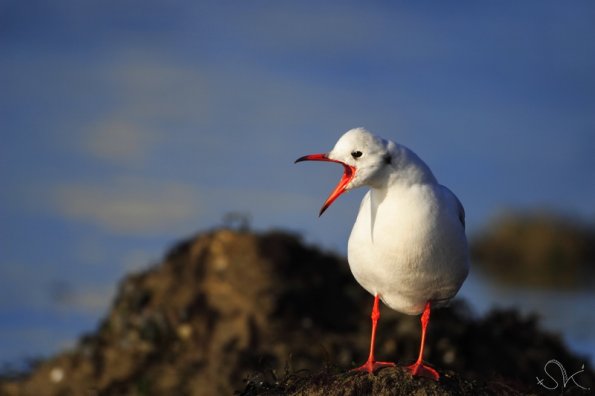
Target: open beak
x,y
348,174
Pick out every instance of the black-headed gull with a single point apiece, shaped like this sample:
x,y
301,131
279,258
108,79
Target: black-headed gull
x,y
408,246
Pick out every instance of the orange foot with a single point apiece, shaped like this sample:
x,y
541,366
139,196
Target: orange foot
x,y
371,366
420,369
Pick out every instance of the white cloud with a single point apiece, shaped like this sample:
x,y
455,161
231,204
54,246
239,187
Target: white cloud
x,y
149,95
129,206
84,298
120,141
138,260
90,299
260,201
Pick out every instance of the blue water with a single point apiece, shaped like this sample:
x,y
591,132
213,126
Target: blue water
x,y
570,313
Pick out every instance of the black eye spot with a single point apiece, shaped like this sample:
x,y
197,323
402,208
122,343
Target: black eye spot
x,y
388,159
356,154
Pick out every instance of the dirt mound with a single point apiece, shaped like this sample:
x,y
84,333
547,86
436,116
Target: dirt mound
x,y
226,311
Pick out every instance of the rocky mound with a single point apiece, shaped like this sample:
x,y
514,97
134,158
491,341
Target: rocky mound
x,y
386,382
264,314
538,249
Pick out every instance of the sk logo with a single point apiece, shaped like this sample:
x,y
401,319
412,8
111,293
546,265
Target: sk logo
x,y
565,377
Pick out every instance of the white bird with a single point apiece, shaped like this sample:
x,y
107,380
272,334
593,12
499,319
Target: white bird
x,y
408,246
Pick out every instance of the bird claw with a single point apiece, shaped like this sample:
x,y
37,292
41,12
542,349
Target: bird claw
x,y
421,370
371,366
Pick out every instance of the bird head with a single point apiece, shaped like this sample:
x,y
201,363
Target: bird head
x,y
365,159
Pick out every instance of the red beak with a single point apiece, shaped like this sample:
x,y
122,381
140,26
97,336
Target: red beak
x,y
348,174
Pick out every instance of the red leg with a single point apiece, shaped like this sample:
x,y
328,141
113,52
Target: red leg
x,y
419,368
371,364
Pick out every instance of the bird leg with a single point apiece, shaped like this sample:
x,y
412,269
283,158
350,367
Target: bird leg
x,y
419,368
371,364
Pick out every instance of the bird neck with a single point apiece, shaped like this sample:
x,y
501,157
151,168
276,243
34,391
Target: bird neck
x,y
408,168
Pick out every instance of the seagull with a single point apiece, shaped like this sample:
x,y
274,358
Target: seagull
x,y
408,246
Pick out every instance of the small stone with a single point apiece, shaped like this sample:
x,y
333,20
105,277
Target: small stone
x,y
449,357
306,322
184,331
56,375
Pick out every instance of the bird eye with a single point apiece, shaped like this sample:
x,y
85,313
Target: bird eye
x,y
356,154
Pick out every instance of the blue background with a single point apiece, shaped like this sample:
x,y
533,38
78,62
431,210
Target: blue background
x,y
127,125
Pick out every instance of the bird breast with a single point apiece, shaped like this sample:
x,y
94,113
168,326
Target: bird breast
x,y
408,246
